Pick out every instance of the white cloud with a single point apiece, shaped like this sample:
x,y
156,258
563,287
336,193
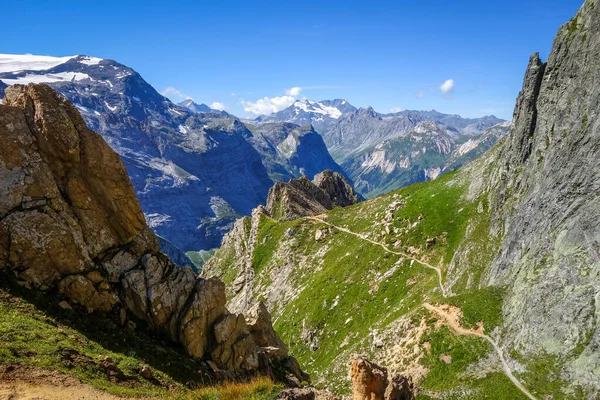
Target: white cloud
x,y
174,92
295,91
270,105
447,87
420,93
218,106
396,109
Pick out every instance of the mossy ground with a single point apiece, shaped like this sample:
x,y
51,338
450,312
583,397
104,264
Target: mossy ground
x,y
36,332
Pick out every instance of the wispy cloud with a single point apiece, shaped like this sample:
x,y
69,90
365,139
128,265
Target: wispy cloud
x,y
270,105
447,87
420,93
396,109
218,106
171,91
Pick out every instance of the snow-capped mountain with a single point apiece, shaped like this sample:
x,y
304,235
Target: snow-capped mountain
x,y
194,173
304,112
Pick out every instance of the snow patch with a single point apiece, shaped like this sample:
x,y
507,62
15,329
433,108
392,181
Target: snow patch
x,y
111,108
59,77
90,60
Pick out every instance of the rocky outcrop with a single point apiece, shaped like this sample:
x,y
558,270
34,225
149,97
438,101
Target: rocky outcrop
x,y
338,188
370,382
302,197
70,222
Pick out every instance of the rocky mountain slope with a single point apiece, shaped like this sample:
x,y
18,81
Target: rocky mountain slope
x,y
291,151
480,284
194,172
70,224
384,152
422,153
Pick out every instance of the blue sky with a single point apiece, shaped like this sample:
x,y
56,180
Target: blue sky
x,y
387,54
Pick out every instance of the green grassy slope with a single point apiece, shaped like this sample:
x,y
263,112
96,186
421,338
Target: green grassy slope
x,y
342,294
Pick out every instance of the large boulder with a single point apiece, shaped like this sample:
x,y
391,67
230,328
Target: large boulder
x,y
70,222
370,382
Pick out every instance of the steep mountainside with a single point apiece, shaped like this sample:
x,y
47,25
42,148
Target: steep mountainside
x,y
480,284
194,172
384,152
70,224
365,127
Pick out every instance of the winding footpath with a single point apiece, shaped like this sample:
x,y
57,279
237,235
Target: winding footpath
x,y
451,322
384,247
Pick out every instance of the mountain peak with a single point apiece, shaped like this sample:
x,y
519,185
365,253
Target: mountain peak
x,y
199,108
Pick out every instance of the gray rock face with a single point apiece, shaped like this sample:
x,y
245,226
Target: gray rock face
x,y
301,197
384,152
70,222
549,205
545,206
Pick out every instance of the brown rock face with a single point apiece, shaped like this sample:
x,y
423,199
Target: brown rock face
x,y
302,197
70,221
370,382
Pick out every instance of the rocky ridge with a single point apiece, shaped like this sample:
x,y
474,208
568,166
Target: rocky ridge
x,y
302,197
70,222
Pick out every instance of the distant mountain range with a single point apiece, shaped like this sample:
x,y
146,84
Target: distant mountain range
x,y
196,169
384,152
